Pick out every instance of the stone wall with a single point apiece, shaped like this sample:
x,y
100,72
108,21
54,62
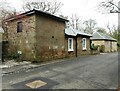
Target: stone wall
x,y
114,46
22,41
50,37
42,39
110,46
70,53
98,42
80,50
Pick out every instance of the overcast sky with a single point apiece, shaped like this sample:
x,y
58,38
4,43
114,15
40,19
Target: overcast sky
x,y
85,9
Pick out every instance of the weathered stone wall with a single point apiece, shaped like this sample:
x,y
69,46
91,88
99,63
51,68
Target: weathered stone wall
x,y
70,53
98,42
42,39
114,46
22,41
110,46
80,51
50,38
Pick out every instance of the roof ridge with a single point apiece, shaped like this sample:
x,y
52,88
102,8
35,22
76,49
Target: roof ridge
x,y
108,36
75,31
100,35
34,11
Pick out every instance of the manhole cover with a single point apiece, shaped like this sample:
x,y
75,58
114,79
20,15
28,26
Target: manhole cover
x,y
36,84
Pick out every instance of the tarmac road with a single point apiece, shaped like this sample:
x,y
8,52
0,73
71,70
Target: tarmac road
x,y
86,72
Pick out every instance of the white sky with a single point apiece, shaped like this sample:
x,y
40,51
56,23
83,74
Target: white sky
x,y
85,9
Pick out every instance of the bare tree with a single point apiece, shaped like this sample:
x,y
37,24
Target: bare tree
x,y
74,21
109,28
101,30
109,6
6,11
52,7
114,32
89,26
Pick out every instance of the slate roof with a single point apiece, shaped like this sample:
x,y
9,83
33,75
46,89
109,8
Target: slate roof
x,y
38,12
101,36
70,31
73,32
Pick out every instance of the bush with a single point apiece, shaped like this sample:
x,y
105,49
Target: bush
x,y
93,47
118,44
13,55
102,48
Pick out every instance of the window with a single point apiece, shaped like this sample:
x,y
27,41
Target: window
x,y
19,27
70,44
84,43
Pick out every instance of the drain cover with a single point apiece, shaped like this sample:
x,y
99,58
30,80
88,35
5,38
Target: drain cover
x,y
36,84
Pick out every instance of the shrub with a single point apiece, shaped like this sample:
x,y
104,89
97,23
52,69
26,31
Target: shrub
x,y
12,55
15,56
102,48
118,44
93,47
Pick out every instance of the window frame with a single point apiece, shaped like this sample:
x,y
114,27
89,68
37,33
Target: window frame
x,y
19,26
70,49
85,46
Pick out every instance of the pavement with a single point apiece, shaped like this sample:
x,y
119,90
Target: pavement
x,y
11,66
87,72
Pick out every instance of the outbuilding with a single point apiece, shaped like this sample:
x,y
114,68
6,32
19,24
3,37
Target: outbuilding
x,y
77,42
101,39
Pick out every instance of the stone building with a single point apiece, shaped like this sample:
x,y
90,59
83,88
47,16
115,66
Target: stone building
x,y
77,42
36,35
109,43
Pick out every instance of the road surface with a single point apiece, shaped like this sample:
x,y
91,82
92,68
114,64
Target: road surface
x,y
86,72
